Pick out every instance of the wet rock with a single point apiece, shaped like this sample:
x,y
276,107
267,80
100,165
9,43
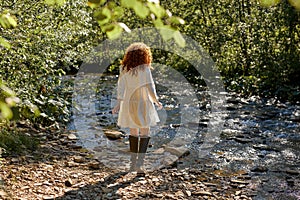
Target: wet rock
x,y
159,151
290,182
178,151
114,135
175,125
242,140
259,169
72,136
264,147
169,160
74,146
231,107
231,132
292,172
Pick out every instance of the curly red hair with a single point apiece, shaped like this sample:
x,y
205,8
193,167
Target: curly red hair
x,y
136,55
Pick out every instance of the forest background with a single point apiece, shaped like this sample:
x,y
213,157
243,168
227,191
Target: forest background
x,y
255,45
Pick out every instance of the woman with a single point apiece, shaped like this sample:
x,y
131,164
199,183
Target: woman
x,y
136,99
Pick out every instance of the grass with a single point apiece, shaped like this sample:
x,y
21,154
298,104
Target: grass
x,y
13,142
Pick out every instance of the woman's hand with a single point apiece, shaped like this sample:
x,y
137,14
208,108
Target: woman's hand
x,y
159,105
116,109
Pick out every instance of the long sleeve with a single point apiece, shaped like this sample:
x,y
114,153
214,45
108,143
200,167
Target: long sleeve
x,y
121,87
151,86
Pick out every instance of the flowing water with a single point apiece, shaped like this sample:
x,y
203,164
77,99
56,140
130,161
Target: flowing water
x,y
255,135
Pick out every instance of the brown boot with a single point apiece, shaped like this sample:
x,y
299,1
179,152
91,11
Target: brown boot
x,y
133,143
144,141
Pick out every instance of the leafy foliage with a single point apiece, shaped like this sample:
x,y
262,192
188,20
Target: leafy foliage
x,y
110,16
48,41
256,48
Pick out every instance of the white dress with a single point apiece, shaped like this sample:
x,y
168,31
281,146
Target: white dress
x,y
137,95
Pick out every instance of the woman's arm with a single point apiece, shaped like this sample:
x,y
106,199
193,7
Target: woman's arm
x,y
151,88
120,93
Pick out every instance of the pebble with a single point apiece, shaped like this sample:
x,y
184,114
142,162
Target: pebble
x,y
238,181
72,136
292,172
3,194
74,175
259,169
188,193
202,193
68,183
94,165
243,140
113,134
79,159
52,197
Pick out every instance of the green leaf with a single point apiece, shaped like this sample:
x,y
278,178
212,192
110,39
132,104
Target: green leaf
x,y
4,43
295,3
176,20
7,92
179,39
118,11
156,9
60,2
50,2
103,16
141,10
158,23
128,3
6,112
166,32
100,2
11,20
115,32
268,3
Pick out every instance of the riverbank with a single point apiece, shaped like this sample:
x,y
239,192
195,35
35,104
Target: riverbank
x,y
256,158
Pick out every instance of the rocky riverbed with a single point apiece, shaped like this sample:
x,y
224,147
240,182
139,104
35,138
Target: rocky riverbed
x,y
254,156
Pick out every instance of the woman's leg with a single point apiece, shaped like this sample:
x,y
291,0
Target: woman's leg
x,y
133,145
143,145
144,132
134,132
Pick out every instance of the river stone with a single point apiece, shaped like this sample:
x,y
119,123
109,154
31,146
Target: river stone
x,y
292,172
239,181
231,132
178,151
113,134
79,159
169,160
48,197
243,140
94,165
259,169
202,193
159,151
72,136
